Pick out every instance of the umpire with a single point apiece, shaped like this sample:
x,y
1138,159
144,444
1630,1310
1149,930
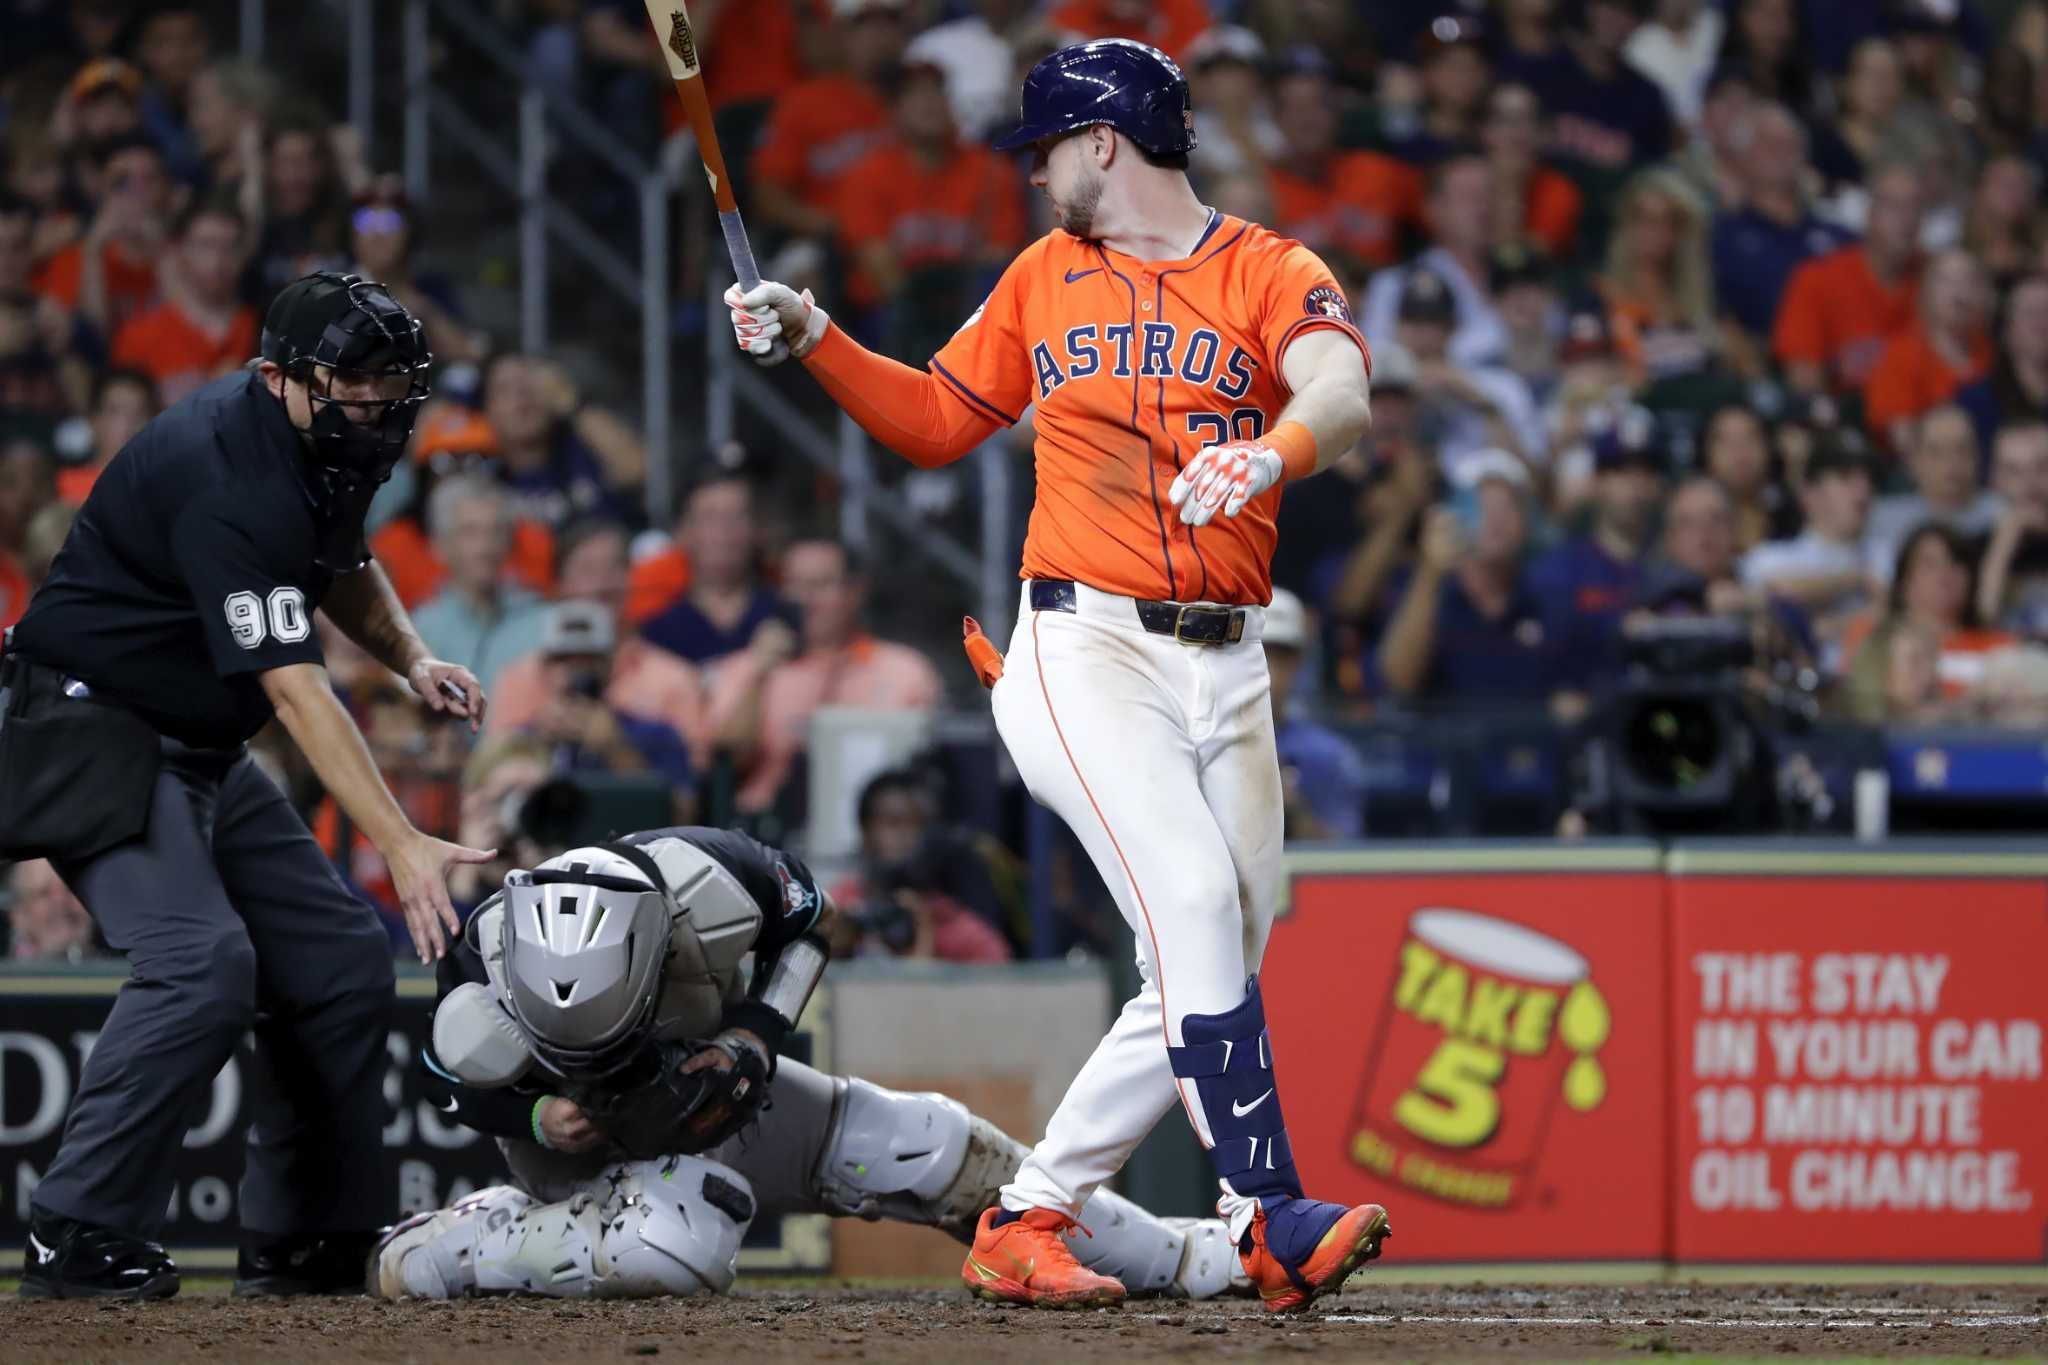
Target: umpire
x,y
176,621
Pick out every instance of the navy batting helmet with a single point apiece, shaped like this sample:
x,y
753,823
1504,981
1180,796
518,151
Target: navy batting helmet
x,y
1135,89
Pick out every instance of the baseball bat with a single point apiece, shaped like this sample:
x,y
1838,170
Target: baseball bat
x,y
672,29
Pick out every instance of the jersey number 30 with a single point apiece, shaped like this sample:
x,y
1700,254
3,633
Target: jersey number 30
x,y
284,620
1211,429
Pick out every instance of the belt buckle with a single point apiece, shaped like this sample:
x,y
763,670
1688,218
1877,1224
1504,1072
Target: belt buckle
x,y
1180,620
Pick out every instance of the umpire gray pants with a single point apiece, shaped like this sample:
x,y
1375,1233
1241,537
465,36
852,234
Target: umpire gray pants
x,y
779,1156
232,919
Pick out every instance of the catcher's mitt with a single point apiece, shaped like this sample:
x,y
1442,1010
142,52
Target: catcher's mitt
x,y
676,1112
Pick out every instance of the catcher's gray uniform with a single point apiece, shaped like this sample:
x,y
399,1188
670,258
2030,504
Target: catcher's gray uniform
x,y
604,1223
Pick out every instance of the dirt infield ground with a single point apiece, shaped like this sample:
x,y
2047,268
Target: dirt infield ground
x,y
830,1323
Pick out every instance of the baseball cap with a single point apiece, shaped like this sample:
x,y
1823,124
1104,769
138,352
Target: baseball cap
x,y
455,431
577,629
1449,30
1585,335
1491,463
1631,440
1519,263
105,73
1393,368
1286,621
1226,43
1426,298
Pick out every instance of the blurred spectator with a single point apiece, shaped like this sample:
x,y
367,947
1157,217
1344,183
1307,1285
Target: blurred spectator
x,y
1450,54
2002,228
311,169
645,683
450,442
1867,97
1696,572
122,402
1169,25
37,177
905,901
43,538
25,488
1926,364
1709,160
583,729
763,696
1465,409
480,619
726,609
45,922
1759,242
1826,568
381,239
1676,48
1530,200
202,329
2005,122
1657,286
1235,130
1943,462
1350,577
1735,451
1604,114
1322,777
1933,589
109,275
37,380
229,106
821,126
1351,206
927,201
1351,36
1525,294
1468,629
562,458
1765,40
1528,31
1586,583
2013,591
101,105
1841,309
173,46
2016,389
1459,217
975,56
1591,392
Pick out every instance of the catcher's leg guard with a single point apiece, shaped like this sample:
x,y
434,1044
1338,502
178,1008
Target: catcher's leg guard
x,y
924,1158
641,1229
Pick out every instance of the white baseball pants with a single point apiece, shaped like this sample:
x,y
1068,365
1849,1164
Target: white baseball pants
x,y
1160,757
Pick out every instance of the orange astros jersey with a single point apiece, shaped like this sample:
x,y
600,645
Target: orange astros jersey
x,y
1134,366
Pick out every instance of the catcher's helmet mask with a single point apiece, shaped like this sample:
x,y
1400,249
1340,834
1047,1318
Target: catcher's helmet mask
x,y
330,324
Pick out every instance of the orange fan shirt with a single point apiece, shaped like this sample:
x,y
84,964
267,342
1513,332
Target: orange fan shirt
x,y
1133,367
817,130
968,205
1838,315
1169,26
178,353
131,284
1552,204
1911,376
1358,206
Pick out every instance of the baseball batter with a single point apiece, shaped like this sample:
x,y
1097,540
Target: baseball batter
x,y
1182,365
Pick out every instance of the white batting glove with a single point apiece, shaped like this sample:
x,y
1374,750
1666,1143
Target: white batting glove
x,y
772,320
1226,476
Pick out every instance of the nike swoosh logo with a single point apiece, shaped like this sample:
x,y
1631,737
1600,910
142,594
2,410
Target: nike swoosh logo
x,y
1082,275
1240,1110
447,1108
43,1254
987,1274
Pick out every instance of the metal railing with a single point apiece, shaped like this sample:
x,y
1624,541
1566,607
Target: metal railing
x,y
549,124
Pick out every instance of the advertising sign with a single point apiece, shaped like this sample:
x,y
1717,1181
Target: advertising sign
x,y
1858,1066
1481,1052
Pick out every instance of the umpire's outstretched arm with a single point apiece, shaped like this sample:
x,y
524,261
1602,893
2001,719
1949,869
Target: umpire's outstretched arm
x,y
306,704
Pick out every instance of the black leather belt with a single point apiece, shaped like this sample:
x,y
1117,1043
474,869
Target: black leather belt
x,y
1193,625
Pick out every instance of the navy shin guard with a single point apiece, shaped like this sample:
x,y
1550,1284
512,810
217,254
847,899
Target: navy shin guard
x,y
1230,1059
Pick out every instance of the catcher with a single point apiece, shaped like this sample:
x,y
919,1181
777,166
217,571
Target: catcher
x,y
613,1017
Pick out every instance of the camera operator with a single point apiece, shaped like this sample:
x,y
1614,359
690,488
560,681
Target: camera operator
x,y
583,730
917,880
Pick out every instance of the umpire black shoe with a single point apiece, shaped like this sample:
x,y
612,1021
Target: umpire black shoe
x,y
69,1259
315,1263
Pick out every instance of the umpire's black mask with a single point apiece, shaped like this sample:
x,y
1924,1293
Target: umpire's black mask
x,y
364,361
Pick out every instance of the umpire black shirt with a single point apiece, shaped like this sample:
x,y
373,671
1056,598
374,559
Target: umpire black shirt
x,y
189,570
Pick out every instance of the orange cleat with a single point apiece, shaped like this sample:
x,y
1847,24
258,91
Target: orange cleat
x,y
1351,1241
1027,1261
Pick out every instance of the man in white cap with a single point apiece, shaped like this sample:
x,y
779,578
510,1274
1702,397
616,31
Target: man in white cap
x,y
1322,778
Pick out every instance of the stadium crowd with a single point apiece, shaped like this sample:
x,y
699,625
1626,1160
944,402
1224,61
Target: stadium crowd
x,y
1727,309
